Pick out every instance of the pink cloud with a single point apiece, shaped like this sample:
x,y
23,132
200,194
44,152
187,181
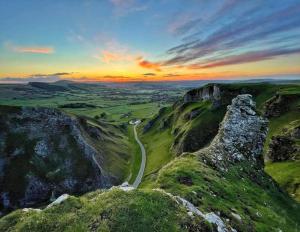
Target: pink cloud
x,y
30,49
37,50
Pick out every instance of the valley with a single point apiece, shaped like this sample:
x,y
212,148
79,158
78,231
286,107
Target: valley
x,y
182,150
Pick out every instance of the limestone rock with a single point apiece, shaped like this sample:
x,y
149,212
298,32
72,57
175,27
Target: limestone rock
x,y
278,105
210,92
241,135
59,200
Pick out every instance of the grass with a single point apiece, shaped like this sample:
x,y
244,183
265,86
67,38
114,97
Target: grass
x,y
136,155
286,174
183,135
249,193
157,147
114,149
113,210
115,102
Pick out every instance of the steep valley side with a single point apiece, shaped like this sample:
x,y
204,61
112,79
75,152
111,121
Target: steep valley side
x,y
45,152
193,121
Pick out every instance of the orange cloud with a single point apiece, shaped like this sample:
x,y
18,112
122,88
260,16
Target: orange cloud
x,y
109,57
149,65
36,50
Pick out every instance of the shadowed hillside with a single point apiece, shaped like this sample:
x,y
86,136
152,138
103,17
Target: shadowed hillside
x,y
45,153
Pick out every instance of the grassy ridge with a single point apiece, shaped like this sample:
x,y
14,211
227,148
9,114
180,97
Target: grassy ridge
x,y
113,210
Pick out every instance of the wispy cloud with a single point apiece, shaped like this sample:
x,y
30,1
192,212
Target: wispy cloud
x,y
112,57
30,49
37,50
248,33
112,51
124,7
183,24
252,56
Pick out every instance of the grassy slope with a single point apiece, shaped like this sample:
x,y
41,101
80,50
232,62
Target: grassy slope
x,y
135,156
252,195
287,175
158,153
205,125
260,204
114,148
113,210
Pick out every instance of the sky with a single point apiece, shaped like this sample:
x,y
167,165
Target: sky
x,y
148,40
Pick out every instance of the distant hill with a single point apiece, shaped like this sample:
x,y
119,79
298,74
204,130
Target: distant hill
x,y
47,86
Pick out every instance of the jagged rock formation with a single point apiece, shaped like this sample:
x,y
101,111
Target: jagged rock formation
x,y
210,92
241,135
278,105
43,152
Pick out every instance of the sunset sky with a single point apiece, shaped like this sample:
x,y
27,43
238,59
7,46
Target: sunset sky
x,y
131,40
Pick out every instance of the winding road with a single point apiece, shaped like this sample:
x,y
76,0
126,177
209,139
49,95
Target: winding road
x,y
139,177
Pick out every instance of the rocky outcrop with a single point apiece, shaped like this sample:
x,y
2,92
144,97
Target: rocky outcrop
x,y
150,123
284,146
278,105
241,135
46,152
209,92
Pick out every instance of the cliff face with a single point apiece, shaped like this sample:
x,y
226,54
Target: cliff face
x,y
285,146
210,92
241,135
279,104
216,97
44,153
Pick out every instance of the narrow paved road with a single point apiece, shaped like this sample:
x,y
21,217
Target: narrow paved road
x,y
139,177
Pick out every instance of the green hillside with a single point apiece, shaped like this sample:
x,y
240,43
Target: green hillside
x,y
186,192
188,126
